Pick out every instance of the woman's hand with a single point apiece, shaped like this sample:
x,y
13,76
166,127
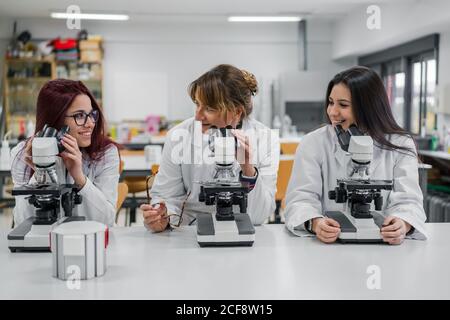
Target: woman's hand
x,y
394,230
73,159
155,217
326,229
28,154
244,153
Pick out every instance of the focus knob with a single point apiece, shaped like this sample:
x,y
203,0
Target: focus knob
x,y
78,199
332,195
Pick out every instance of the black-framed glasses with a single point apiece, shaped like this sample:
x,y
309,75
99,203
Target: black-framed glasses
x,y
175,220
81,117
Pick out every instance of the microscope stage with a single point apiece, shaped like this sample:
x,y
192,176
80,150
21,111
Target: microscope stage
x,y
358,230
28,236
238,232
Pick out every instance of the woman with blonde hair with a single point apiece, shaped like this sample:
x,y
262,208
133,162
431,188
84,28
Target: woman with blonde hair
x,y
223,97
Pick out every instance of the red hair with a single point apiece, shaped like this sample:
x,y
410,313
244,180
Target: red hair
x,y
55,97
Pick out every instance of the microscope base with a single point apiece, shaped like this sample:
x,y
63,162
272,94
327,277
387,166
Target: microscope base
x,y
358,230
239,232
32,237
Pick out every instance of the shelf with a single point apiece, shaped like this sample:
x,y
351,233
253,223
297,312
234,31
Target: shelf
x,y
22,88
21,94
29,79
77,62
90,80
28,60
96,62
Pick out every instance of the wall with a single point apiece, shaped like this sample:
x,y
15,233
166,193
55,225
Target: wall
x,y
400,22
320,45
176,53
310,84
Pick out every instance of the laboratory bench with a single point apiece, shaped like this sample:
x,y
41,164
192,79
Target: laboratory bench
x,y
171,265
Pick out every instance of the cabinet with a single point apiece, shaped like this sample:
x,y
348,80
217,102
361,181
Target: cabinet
x,y
22,79
90,73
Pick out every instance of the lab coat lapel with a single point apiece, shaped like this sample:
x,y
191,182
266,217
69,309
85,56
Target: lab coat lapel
x,y
376,159
341,157
339,154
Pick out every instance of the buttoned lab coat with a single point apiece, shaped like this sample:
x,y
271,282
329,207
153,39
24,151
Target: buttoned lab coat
x,y
320,161
99,194
186,162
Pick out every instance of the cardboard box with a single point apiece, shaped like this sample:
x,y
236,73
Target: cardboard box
x,y
91,56
90,45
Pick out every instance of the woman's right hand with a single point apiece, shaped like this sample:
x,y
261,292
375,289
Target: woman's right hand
x,y
27,153
155,216
326,229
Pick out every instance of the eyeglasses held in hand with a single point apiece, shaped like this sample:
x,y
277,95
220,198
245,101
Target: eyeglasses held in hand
x,y
81,117
175,220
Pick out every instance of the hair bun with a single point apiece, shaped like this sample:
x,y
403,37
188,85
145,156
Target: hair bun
x,y
250,79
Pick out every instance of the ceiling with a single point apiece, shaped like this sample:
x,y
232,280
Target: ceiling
x,y
140,10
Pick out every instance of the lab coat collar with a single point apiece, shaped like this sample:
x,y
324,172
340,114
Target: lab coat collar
x,y
339,154
376,157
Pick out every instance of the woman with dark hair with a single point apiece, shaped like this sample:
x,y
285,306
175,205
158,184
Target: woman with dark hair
x,y
90,160
356,96
223,97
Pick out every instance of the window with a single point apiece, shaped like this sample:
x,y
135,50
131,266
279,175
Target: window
x,y
394,80
409,73
423,106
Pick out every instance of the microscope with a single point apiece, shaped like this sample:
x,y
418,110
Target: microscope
x,y
358,223
225,227
45,194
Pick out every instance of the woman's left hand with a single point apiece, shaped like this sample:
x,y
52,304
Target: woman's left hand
x,y
244,151
73,160
394,230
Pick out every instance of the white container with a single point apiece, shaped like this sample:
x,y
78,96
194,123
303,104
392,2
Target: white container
x,y
79,249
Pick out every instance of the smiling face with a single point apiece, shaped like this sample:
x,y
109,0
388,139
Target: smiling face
x,y
339,108
212,117
83,133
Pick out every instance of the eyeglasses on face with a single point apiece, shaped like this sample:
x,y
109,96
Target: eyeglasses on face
x,y
81,117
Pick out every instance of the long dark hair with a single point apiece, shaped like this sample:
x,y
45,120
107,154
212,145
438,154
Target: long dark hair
x,y
370,104
55,97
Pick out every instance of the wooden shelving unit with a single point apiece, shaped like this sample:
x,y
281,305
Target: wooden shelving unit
x,y
90,73
22,79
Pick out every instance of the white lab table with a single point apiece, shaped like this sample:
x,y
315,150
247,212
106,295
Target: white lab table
x,y
136,166
435,154
171,265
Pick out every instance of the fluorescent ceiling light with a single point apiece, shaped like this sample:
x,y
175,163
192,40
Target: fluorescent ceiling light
x,y
264,19
89,16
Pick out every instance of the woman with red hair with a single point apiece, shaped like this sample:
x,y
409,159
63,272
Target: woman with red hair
x,y
90,160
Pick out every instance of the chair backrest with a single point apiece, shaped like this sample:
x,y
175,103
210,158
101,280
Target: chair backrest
x,y
127,152
155,169
121,167
122,194
284,174
288,147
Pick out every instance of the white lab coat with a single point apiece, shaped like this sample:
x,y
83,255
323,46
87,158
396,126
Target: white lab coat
x,y
183,167
99,194
319,161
